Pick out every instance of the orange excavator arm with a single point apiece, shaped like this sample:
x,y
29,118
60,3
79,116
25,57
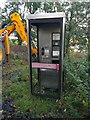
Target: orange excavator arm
x,y
5,32
20,28
17,25
9,29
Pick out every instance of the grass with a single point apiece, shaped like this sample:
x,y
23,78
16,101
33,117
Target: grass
x,y
16,86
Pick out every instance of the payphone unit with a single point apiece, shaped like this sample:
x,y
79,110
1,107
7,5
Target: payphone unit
x,y
46,74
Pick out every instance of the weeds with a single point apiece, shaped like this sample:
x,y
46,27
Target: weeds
x,y
74,102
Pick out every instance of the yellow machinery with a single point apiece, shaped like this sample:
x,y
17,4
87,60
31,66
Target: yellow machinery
x,y
17,25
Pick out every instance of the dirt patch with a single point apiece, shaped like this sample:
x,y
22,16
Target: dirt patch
x,y
20,51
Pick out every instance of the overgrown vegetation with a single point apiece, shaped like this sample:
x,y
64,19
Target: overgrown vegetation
x,y
74,102
76,85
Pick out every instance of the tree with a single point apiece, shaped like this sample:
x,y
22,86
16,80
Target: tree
x,y
88,36
75,24
76,30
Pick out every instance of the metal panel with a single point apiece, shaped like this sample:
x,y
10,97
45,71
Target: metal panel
x,y
45,39
38,22
49,78
45,15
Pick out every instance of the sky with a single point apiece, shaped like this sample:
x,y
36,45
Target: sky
x,y
2,2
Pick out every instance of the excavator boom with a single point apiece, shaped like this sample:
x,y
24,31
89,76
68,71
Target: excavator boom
x,y
18,25
9,29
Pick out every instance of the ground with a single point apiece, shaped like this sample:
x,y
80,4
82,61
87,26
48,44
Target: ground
x,y
18,103
17,100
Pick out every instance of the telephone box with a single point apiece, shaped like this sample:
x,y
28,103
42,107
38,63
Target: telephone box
x,y
46,72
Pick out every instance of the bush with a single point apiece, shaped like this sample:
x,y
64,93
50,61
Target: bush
x,y
75,96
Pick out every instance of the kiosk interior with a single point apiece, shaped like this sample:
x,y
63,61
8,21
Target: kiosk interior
x,y
46,74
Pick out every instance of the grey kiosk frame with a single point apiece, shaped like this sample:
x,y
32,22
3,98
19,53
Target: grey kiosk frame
x,y
50,46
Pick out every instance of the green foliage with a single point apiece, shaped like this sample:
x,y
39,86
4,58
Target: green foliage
x,y
76,28
76,20
74,102
76,86
20,93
